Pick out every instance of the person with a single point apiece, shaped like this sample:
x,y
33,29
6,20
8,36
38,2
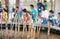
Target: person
x,y
26,16
4,15
46,4
34,13
7,9
18,14
39,5
57,22
51,17
0,7
44,15
11,15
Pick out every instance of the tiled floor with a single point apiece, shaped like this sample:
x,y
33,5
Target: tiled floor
x,y
41,35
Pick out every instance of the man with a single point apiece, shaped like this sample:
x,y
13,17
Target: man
x,y
39,5
34,13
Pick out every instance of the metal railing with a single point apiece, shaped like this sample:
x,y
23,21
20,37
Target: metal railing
x,y
15,32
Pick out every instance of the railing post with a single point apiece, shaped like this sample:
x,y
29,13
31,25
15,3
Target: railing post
x,y
18,30
7,34
48,30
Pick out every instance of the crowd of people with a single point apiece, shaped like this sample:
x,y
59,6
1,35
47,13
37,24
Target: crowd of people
x,y
32,16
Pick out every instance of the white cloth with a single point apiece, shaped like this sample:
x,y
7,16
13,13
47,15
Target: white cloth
x,y
11,15
45,14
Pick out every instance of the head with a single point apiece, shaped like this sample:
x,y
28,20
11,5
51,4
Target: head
x,y
43,7
51,12
38,1
13,10
24,11
6,7
45,2
31,6
4,10
58,16
17,8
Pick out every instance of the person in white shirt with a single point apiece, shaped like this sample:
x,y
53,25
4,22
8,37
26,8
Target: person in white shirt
x,y
44,13
11,16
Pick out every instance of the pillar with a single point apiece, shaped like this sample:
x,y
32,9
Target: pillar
x,y
17,2
6,2
57,6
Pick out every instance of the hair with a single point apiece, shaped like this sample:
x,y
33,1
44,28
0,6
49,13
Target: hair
x,y
4,9
13,9
45,1
32,5
24,10
59,13
17,7
43,7
51,11
38,0
27,12
6,6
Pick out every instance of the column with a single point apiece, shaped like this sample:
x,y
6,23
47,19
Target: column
x,y
57,6
17,2
7,2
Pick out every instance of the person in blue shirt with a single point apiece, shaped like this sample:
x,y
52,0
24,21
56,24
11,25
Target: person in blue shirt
x,y
50,18
39,5
34,13
57,21
18,14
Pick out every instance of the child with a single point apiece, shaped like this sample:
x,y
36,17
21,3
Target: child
x,y
34,13
26,16
11,16
51,15
4,15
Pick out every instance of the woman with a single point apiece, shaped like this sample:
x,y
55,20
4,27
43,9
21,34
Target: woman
x,y
44,15
26,16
